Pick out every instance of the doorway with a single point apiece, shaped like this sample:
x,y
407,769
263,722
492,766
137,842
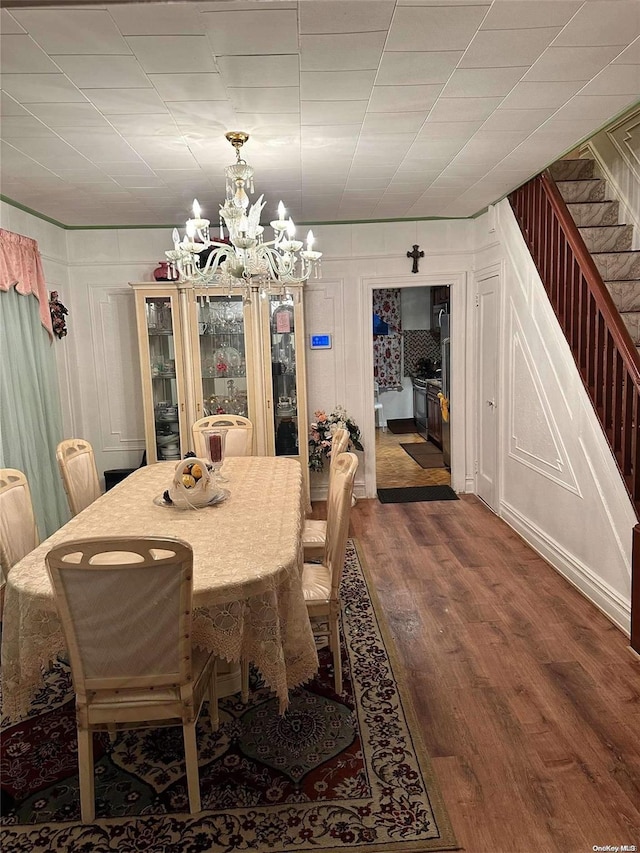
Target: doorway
x,y
410,326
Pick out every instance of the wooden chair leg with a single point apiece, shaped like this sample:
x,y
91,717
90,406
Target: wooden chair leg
x,y
113,732
214,716
334,636
86,774
244,680
191,761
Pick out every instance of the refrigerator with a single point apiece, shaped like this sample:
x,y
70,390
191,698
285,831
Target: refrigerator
x,y
445,354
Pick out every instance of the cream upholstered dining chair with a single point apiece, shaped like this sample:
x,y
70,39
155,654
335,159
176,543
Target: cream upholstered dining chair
x,y
78,468
314,531
321,581
125,606
18,531
239,440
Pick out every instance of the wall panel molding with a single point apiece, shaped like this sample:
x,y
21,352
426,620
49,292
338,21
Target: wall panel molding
x,y
115,360
534,436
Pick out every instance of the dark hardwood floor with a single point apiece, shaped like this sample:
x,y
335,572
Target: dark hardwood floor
x,y
528,697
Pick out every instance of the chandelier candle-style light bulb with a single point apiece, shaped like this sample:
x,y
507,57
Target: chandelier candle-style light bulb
x,y
279,224
189,243
198,223
246,257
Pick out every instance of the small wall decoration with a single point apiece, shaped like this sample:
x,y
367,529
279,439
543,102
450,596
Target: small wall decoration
x,y
58,314
415,255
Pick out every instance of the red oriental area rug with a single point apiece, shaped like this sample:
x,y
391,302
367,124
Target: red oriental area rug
x,y
344,772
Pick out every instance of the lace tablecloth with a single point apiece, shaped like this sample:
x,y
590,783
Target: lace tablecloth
x,y
248,598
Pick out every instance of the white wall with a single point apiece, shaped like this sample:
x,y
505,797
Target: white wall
x,y
100,370
559,484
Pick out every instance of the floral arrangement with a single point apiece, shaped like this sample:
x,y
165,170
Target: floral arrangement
x,y
321,435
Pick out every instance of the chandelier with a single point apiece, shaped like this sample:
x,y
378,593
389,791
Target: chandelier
x,y
244,258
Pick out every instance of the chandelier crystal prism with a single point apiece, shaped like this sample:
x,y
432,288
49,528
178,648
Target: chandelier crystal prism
x,y
244,258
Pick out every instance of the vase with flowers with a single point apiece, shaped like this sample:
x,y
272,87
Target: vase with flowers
x,y
321,435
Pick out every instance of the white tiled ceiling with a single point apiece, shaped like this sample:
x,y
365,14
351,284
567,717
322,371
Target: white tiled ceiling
x,y
356,109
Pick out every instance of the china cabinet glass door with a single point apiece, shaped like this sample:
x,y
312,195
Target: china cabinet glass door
x,y
284,376
160,325
223,355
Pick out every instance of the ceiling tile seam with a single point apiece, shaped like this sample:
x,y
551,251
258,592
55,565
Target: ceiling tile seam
x,y
92,164
377,73
456,68
526,139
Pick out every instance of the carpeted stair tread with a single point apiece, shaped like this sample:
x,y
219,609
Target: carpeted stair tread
x,y
573,191
594,213
573,170
617,266
625,294
607,238
631,319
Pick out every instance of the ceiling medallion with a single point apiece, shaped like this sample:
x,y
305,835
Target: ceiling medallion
x,y
243,258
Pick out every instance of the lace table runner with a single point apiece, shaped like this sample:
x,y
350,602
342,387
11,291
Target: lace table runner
x,y
247,594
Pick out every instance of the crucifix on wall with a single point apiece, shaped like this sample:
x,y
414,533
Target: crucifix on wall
x,y
415,255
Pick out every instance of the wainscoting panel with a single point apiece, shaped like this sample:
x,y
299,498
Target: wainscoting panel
x,y
117,376
534,435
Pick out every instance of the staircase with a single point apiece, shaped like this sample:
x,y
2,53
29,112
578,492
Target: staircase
x,y
591,274
608,241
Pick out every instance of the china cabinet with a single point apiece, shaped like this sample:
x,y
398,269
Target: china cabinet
x,y
204,351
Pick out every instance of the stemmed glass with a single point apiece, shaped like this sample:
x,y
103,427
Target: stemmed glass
x,y
215,442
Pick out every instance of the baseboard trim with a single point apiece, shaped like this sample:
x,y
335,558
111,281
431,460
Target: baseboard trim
x,y
319,493
597,591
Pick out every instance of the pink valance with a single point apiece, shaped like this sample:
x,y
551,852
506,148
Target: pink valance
x,y
21,267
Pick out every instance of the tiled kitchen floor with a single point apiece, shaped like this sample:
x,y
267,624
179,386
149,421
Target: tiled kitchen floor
x,y
395,468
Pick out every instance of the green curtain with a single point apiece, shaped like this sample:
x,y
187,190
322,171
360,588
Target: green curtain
x,y
30,416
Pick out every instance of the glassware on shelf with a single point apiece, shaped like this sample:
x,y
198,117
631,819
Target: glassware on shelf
x,y
152,315
220,360
214,443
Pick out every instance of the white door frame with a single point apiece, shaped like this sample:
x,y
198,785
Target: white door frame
x,y
457,282
492,271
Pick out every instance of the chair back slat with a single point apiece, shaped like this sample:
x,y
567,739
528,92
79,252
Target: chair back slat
x,y
125,607
239,440
18,531
79,474
339,444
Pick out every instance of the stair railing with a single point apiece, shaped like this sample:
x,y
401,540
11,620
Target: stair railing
x,y
604,353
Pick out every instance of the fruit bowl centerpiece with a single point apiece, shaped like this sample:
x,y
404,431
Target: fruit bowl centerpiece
x,y
193,485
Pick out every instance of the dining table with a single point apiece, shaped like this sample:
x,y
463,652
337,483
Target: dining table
x,y
247,560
